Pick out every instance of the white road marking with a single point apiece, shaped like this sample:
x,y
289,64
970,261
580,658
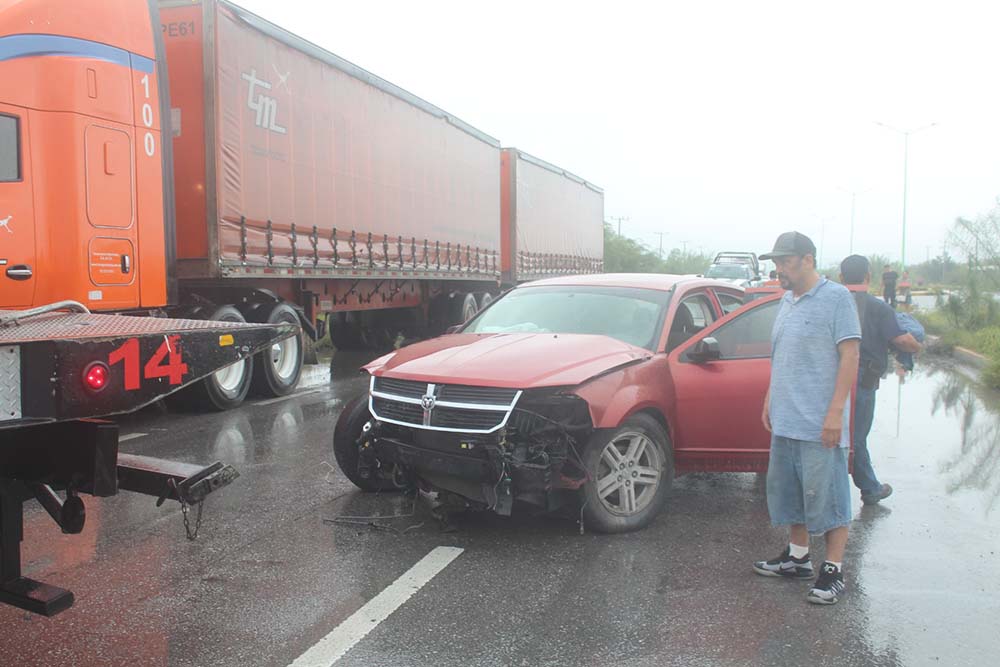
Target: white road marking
x,y
342,639
132,436
285,398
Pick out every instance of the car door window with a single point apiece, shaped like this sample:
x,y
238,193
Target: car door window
x,y
729,302
748,336
10,154
693,314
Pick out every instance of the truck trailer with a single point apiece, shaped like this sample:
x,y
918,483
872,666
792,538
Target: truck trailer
x,y
548,219
191,159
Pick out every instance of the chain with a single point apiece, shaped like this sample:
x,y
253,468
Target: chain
x,y
185,510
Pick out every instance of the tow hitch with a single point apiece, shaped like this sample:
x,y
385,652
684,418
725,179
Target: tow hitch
x,y
81,457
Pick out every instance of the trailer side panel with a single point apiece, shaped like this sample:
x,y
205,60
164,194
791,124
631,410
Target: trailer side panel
x,y
558,220
323,168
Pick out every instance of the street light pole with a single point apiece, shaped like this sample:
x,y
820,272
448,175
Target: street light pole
x,y
906,157
854,196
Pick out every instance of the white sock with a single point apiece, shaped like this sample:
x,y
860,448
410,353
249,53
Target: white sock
x,y
839,566
797,552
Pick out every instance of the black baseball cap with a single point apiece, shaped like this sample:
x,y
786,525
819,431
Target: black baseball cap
x,y
792,243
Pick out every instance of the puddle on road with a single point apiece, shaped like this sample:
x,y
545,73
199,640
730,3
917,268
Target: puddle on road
x,y
926,562
951,424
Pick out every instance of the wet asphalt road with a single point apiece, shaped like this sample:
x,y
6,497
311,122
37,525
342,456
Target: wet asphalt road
x,y
268,578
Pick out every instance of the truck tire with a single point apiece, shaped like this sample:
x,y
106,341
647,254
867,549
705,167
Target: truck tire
x,y
345,333
485,299
226,388
464,308
631,470
345,446
276,370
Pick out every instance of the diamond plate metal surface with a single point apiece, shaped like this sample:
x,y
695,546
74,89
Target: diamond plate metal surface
x,y
77,326
10,382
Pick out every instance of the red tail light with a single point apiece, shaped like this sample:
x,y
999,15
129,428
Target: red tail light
x,y
95,377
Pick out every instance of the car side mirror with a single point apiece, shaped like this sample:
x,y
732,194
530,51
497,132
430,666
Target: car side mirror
x,y
707,349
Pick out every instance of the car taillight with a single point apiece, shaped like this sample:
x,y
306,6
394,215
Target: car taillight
x,y
95,377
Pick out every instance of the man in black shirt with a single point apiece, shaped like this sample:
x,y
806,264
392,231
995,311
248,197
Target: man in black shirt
x,y
879,330
889,278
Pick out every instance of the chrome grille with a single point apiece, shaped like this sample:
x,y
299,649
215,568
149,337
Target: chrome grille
x,y
456,393
464,419
454,408
400,387
406,412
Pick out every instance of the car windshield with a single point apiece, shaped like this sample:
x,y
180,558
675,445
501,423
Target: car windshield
x,y
726,271
631,315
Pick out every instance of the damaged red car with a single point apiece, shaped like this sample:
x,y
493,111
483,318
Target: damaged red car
x,y
587,392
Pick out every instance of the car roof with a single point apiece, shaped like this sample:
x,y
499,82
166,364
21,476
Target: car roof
x,y
657,281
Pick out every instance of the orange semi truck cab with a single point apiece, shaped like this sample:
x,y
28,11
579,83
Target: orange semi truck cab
x,y
85,195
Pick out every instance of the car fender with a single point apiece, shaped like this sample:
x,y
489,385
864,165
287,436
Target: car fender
x,y
614,397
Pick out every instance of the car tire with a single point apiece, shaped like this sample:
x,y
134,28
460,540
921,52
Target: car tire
x,y
345,446
226,388
277,369
627,498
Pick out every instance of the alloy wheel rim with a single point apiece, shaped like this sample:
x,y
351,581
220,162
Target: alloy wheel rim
x,y
628,473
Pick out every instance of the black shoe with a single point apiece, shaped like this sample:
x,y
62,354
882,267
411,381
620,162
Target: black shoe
x,y
785,566
829,585
878,496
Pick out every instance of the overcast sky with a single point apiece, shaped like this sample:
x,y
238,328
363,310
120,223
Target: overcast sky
x,y
720,124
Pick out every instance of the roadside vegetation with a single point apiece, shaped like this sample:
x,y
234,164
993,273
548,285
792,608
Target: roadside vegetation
x,y
625,255
969,316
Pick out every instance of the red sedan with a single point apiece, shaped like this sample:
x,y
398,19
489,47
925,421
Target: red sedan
x,y
589,391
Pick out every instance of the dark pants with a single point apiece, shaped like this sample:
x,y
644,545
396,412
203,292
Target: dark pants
x,y
890,296
864,413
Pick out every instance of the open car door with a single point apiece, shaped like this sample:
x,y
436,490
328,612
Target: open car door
x,y
720,378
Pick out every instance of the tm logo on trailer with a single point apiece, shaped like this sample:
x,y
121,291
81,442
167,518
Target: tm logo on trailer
x,y
265,105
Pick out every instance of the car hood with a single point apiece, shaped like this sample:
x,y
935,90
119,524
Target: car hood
x,y
521,361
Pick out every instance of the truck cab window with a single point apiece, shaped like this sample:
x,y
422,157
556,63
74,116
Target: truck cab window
x,y
10,150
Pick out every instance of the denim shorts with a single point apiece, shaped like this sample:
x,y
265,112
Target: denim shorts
x,y
808,483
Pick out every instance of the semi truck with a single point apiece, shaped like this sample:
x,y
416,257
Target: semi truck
x,y
191,159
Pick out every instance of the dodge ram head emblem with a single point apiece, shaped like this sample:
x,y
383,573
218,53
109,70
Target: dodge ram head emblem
x,y
427,402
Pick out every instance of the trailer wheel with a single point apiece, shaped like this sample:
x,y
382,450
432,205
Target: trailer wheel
x,y
345,446
485,299
226,388
345,333
464,308
277,370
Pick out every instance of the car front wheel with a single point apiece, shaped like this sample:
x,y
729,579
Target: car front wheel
x,y
631,470
346,434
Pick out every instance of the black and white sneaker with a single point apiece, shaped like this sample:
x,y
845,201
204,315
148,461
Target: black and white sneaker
x,y
829,585
785,566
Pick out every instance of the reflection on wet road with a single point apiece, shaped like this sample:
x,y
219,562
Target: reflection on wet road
x,y
268,577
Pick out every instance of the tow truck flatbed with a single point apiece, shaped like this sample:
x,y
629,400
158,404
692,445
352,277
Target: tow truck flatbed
x,y
59,372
